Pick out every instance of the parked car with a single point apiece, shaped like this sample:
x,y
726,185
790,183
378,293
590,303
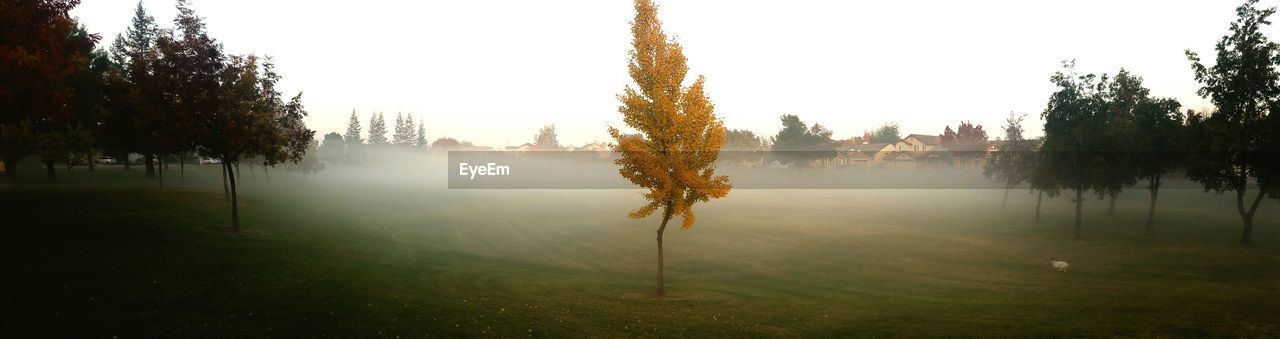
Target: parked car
x,y
210,161
105,160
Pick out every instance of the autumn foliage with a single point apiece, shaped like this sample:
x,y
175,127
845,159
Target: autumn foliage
x,y
673,155
680,136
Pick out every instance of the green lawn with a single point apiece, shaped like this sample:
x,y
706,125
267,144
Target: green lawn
x,y
394,253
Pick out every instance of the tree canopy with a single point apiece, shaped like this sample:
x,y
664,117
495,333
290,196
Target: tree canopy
x,y
673,157
1237,143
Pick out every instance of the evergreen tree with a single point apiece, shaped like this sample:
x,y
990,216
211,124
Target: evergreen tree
x,y
403,136
377,130
354,151
422,134
131,92
795,142
353,131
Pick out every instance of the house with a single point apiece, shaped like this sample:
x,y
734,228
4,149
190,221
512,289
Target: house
x,y
919,143
518,149
594,147
900,161
868,155
595,150
922,151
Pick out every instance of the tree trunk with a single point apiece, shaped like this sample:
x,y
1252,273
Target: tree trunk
x,y
1079,201
226,192
1112,209
267,174
182,169
1039,199
1247,236
1154,186
666,216
68,168
235,208
149,160
160,170
52,173
91,159
125,160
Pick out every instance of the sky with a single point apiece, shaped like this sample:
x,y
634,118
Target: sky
x,y
494,71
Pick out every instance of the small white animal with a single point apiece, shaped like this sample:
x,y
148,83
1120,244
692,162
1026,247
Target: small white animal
x,y
1059,265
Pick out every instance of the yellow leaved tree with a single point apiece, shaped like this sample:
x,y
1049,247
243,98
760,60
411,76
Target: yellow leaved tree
x,y
673,156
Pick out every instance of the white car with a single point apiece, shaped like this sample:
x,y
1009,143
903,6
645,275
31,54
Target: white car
x,y
210,161
105,160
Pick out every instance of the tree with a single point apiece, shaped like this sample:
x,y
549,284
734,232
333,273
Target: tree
x,y
1041,177
1115,168
404,134
1071,143
288,139
1156,145
447,144
87,87
52,148
354,151
189,76
795,142
546,139
673,157
80,146
333,147
744,140
1008,165
1244,86
131,90
37,55
422,135
309,164
251,121
377,130
231,101
887,133
968,142
16,142
742,144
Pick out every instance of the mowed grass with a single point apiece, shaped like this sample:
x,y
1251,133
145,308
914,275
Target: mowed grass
x,y
385,254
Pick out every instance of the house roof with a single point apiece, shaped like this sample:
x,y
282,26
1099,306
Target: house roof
x,y
872,147
926,139
899,156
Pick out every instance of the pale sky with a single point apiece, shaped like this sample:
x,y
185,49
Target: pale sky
x,y
494,71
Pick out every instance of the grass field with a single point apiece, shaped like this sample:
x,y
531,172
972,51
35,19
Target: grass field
x,y
391,254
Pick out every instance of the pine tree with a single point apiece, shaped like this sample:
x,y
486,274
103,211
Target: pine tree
x,y
353,150
353,131
128,80
422,134
403,136
377,130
